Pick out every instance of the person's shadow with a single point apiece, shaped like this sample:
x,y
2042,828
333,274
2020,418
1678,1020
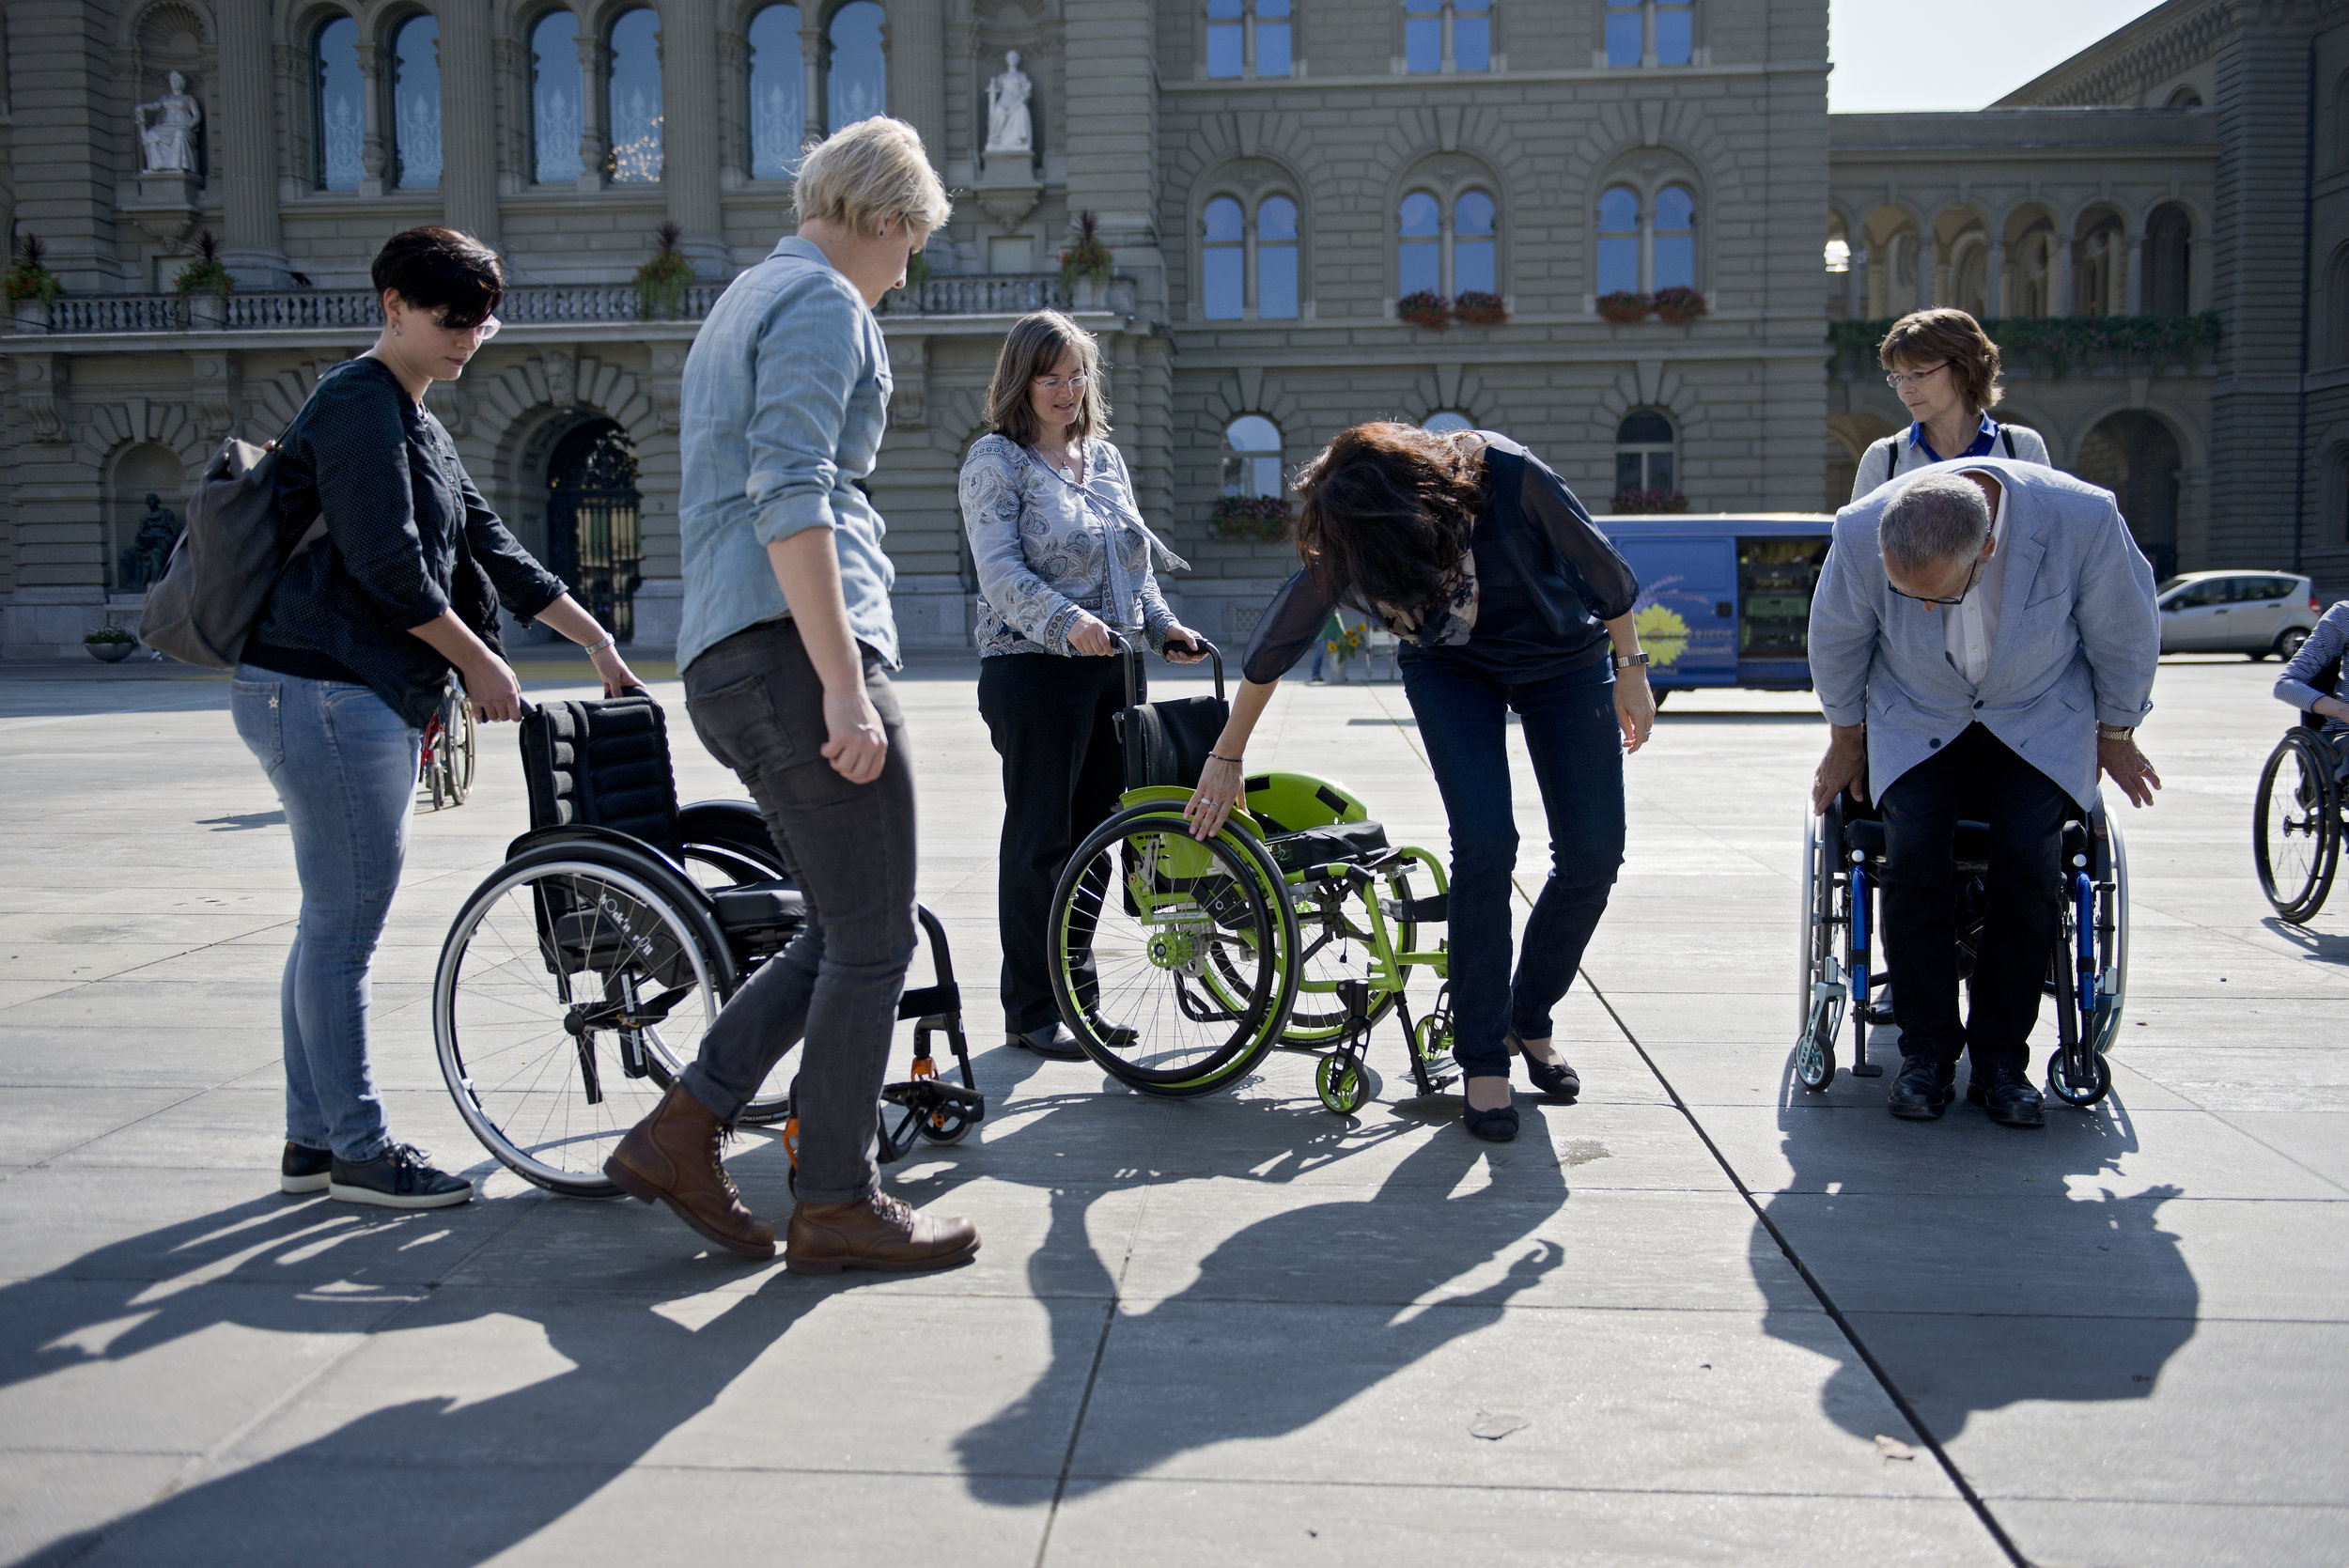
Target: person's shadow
x,y
1982,1265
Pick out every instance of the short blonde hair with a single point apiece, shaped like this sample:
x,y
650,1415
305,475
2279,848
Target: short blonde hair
x,y
1036,344
863,175
1946,336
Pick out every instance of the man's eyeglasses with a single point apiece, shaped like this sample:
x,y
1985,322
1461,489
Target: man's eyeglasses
x,y
1077,382
1942,603
1899,378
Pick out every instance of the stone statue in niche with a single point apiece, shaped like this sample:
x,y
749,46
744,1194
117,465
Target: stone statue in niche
x,y
1009,127
142,564
169,141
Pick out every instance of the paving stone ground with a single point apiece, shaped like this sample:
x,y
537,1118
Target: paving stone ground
x,y
1235,1329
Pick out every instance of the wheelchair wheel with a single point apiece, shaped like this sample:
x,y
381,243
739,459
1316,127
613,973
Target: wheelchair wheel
x,y
1820,991
2295,826
1333,944
2114,960
2076,1075
1343,1081
574,986
461,738
1188,944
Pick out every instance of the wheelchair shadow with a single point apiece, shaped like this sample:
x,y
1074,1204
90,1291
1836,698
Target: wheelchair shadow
x,y
1983,1265
2320,947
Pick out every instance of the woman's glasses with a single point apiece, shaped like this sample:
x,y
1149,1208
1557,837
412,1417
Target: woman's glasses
x,y
1899,378
1077,382
486,330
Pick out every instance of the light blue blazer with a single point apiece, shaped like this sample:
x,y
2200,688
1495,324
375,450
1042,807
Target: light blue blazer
x,y
2077,641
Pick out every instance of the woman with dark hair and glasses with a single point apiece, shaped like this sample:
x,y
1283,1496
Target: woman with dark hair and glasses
x,y
351,655
1507,598
1064,559
1945,370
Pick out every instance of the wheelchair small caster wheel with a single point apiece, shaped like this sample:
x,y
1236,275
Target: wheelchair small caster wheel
x,y
1431,1039
2079,1096
945,1127
1342,1082
1814,1062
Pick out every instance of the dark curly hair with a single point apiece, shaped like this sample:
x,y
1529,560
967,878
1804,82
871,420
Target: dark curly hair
x,y
1386,516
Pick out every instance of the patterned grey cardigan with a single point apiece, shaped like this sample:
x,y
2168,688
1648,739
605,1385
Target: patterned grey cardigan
x,y
1046,550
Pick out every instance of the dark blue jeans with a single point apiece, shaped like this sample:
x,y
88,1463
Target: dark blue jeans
x,y
1577,751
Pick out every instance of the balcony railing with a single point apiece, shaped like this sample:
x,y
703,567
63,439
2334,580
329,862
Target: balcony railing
x,y
2055,344
356,309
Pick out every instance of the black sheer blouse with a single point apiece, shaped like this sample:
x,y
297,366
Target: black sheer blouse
x,y
1544,579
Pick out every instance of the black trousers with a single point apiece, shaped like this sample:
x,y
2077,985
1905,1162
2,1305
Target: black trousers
x,y
1053,722
1977,778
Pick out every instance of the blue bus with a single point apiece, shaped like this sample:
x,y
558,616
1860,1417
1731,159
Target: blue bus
x,y
1724,596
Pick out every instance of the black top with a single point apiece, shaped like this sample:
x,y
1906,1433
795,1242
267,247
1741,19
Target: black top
x,y
1545,579
343,608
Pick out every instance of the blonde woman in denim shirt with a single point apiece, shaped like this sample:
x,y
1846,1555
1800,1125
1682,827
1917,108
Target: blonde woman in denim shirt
x,y
785,644
1064,559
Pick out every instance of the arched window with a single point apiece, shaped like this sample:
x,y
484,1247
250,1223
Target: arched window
x,y
2097,262
2168,258
1276,258
2336,342
417,103
342,120
778,88
1251,457
2184,98
1644,454
1222,247
1619,241
1447,35
1419,269
1474,267
557,93
1248,38
632,95
1676,264
1650,32
856,77
1445,422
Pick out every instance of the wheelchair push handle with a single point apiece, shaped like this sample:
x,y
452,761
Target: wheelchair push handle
x,y
634,689
1131,656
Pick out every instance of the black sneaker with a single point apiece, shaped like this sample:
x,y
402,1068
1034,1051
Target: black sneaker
x,y
397,1178
302,1171
1924,1089
1052,1042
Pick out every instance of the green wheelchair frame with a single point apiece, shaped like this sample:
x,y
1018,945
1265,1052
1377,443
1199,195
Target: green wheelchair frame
x,y
1295,926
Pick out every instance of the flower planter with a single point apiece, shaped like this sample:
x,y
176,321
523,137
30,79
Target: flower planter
x,y
1478,309
1623,308
32,315
111,653
1427,311
1678,307
206,311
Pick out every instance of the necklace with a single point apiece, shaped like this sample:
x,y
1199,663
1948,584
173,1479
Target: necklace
x,y
1062,463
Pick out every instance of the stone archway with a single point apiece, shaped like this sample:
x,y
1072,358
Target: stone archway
x,y
2133,454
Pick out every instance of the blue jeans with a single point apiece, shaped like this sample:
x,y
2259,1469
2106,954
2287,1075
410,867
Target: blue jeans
x,y
1577,751
344,766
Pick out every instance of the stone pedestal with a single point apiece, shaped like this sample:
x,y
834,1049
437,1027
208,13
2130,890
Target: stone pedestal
x,y
659,605
48,623
1009,195
163,208
934,613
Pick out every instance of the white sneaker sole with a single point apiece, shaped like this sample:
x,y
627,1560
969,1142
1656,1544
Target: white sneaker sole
x,y
343,1194
302,1187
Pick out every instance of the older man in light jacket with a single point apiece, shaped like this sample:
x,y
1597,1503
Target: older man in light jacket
x,y
1983,642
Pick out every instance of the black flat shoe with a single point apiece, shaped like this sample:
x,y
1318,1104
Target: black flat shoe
x,y
2013,1102
1112,1034
1924,1089
1558,1082
1493,1127
1052,1042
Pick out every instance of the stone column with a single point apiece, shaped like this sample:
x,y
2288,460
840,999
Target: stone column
x,y
1928,265
469,154
254,245
2134,303
375,147
688,132
917,72
2062,280
595,143
1994,280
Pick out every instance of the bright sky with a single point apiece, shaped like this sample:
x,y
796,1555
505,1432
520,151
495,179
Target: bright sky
x,y
1892,54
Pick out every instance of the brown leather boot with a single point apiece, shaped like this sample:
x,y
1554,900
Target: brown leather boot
x,y
671,1155
880,1233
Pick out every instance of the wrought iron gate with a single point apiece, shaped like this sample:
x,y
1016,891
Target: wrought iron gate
x,y
592,538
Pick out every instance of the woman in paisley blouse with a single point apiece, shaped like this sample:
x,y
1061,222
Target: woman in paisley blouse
x,y
1064,559
1506,597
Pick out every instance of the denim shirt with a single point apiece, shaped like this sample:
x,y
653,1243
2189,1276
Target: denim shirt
x,y
786,395
1047,549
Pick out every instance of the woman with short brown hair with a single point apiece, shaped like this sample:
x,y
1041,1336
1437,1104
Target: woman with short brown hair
x,y
1064,560
1945,369
1507,597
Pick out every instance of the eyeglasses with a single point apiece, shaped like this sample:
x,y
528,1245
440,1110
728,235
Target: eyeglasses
x,y
1942,603
488,328
1077,382
1899,378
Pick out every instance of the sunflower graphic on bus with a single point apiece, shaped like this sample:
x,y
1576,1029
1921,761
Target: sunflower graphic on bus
x,y
1662,633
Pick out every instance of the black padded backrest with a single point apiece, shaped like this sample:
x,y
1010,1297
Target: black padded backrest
x,y
601,764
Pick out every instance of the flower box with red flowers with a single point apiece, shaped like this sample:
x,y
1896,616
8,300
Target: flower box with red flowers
x,y
1634,503
1250,516
1477,309
1678,307
1427,309
1622,307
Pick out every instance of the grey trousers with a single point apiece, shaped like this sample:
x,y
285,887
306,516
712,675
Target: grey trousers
x,y
757,705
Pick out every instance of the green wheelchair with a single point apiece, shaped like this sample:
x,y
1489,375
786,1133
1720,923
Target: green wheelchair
x,y
1179,963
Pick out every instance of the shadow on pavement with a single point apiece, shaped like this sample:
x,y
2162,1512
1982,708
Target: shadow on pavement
x,y
1983,1265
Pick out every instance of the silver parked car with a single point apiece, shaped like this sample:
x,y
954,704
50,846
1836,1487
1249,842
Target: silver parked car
x,y
2256,612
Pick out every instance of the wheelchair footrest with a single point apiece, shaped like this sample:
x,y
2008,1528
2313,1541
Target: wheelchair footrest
x,y
1435,909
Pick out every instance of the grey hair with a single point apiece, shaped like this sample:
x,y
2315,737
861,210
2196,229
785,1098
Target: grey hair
x,y
1935,518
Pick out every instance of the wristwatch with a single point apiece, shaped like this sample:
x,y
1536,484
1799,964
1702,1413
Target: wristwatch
x,y
2115,731
1624,660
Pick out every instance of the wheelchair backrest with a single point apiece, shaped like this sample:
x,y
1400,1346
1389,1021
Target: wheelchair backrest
x,y
603,763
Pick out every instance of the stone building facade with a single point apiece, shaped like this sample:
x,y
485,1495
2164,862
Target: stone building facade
x,y
1286,185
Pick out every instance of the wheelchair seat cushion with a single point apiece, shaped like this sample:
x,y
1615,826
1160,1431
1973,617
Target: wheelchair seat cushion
x,y
601,764
1338,842
750,908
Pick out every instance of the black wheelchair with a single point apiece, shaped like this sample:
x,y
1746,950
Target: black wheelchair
x,y
579,979
2299,817
2087,970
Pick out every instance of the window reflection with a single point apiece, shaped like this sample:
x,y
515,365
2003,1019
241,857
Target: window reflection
x,y
777,93
1423,34
1225,48
1419,268
1276,258
856,86
417,103
1473,247
1675,238
1619,241
1273,38
1251,457
341,115
1623,26
634,97
1221,240
1472,35
556,100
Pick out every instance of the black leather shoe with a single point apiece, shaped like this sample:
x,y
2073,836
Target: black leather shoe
x,y
2013,1102
1052,1042
1112,1034
1558,1081
1493,1127
303,1170
1924,1089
